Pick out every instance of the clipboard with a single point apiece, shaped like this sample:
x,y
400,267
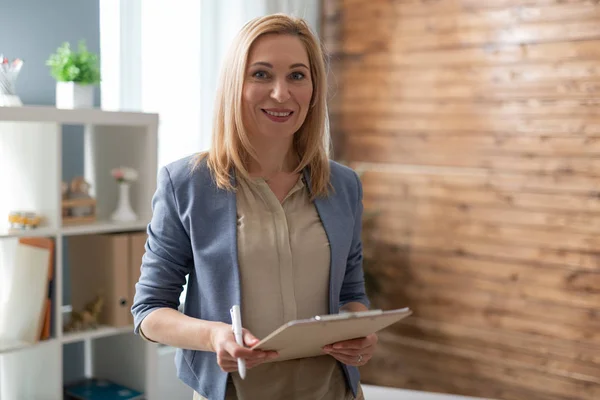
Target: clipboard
x,y
306,337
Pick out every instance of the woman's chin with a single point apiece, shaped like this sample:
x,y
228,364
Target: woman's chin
x,y
272,134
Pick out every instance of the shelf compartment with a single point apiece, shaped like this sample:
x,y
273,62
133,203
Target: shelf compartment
x,y
108,147
104,226
123,359
77,116
34,372
27,278
29,171
37,232
11,346
99,332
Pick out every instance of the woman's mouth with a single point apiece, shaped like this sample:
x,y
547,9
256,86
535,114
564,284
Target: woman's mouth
x,y
278,115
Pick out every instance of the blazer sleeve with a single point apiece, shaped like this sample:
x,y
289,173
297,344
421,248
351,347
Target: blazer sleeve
x,y
168,256
353,287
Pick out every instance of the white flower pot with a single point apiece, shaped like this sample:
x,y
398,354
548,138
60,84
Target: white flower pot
x,y
8,96
10,100
74,95
124,212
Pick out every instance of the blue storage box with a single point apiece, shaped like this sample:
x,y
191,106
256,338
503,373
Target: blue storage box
x,y
100,389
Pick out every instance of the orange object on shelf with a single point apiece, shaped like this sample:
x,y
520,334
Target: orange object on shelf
x,y
24,220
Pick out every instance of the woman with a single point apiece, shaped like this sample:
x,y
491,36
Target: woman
x,y
263,220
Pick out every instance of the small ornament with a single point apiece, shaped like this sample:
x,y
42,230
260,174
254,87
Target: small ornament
x,y
124,177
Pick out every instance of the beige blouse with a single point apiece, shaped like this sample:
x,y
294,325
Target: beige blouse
x,y
283,255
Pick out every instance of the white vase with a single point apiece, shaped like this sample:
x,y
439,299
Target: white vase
x,y
73,95
10,100
8,95
124,212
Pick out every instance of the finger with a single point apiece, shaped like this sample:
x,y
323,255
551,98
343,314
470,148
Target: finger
x,y
228,366
369,340
355,344
351,349
372,339
224,356
271,355
237,351
249,339
350,352
255,356
233,365
261,356
352,360
256,362
344,353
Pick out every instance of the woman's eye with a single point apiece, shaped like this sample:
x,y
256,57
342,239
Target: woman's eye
x,y
260,74
297,76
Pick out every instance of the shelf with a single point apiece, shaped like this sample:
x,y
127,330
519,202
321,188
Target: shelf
x,y
92,116
10,345
38,232
87,229
32,166
101,331
104,227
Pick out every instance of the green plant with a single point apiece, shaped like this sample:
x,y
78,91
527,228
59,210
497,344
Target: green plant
x,y
79,66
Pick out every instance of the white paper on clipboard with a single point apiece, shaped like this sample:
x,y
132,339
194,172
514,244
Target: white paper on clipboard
x,y
306,338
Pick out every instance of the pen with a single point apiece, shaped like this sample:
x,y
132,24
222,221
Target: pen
x,y
236,322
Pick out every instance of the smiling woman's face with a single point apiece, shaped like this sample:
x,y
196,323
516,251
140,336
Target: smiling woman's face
x,y
277,87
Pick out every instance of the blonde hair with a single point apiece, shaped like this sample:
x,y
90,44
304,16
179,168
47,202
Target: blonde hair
x,y
231,148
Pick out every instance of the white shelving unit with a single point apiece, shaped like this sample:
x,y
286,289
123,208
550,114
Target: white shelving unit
x,y
30,178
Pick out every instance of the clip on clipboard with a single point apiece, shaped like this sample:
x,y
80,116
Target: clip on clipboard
x,y
306,337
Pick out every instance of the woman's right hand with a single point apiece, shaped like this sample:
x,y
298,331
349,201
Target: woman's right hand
x,y
228,351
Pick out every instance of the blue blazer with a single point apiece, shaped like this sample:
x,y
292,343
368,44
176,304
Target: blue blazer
x,y
194,231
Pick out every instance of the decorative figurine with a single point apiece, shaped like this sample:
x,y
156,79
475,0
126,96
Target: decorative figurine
x,y
86,318
78,207
80,189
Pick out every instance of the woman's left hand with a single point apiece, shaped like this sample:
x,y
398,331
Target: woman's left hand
x,y
355,352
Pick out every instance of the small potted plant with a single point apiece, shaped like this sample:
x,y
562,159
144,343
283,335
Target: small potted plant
x,y
76,73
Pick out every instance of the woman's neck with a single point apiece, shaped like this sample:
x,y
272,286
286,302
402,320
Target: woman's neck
x,y
273,158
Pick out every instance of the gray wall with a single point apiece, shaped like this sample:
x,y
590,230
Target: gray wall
x,y
32,30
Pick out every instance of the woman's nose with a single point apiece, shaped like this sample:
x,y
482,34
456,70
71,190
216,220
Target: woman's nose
x,y
280,91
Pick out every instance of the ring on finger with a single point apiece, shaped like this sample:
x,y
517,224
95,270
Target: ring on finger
x,y
360,358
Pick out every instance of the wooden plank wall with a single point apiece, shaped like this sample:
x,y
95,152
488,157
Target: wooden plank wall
x,y
477,123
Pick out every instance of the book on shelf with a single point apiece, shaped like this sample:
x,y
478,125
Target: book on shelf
x,y
44,243
23,313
